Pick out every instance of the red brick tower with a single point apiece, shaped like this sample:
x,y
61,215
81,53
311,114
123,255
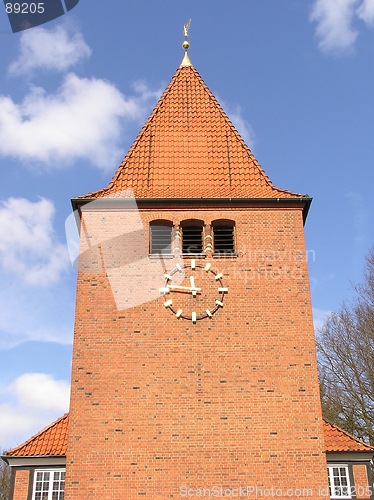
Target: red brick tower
x,y
210,382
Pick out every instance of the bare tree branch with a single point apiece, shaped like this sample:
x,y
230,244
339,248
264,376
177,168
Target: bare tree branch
x,y
4,480
345,348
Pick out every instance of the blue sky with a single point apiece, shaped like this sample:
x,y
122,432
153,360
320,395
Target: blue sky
x,y
296,78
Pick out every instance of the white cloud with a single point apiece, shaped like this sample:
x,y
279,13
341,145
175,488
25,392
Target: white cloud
x,y
35,293
41,391
334,20
319,318
244,128
334,24
45,316
28,246
15,426
84,119
55,49
34,400
366,12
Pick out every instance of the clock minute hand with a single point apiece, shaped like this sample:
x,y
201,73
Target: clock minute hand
x,y
189,288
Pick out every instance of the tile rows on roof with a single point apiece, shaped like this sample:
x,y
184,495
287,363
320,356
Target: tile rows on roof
x,y
338,440
52,441
188,148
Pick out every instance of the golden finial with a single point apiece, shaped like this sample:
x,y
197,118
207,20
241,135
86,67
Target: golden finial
x,y
186,60
186,27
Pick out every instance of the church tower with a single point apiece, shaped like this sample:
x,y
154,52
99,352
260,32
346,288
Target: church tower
x,y
194,364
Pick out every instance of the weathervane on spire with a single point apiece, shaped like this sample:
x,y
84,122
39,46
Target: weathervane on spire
x,y
186,60
186,27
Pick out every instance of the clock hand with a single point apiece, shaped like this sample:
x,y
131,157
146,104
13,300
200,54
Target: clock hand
x,y
193,286
178,287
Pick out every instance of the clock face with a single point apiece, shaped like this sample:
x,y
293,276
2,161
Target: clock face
x,y
198,296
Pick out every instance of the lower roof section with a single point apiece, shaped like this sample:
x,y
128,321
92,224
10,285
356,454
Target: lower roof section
x,y
52,442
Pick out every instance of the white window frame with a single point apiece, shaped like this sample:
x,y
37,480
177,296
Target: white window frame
x,y
340,487
50,482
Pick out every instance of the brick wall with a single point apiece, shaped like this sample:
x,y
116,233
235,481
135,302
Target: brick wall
x,y
21,484
159,403
361,481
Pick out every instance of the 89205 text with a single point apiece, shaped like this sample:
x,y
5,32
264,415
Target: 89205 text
x,y
24,8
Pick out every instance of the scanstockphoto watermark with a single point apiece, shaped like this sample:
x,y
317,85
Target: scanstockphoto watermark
x,y
246,492
26,14
108,235
278,255
270,264
259,272
266,492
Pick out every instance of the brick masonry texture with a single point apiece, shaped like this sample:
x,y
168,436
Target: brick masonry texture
x,y
159,403
52,440
361,481
21,485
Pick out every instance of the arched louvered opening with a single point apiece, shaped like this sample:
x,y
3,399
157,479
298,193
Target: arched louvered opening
x,y
192,236
223,237
160,236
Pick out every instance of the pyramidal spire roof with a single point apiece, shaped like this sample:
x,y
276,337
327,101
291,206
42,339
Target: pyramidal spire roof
x,y
188,148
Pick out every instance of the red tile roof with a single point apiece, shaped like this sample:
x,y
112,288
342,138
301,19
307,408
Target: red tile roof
x,y
338,440
52,441
188,148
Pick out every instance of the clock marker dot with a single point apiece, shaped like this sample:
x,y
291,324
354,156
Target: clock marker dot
x,y
207,267
219,276
179,313
219,303
168,303
208,313
193,317
193,264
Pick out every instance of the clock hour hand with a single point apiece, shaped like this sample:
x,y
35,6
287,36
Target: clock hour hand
x,y
193,286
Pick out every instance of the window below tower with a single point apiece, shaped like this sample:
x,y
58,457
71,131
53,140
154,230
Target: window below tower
x,y
49,484
192,237
339,481
223,237
160,235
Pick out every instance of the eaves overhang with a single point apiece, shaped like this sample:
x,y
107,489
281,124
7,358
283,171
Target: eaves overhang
x,y
349,456
35,461
302,202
